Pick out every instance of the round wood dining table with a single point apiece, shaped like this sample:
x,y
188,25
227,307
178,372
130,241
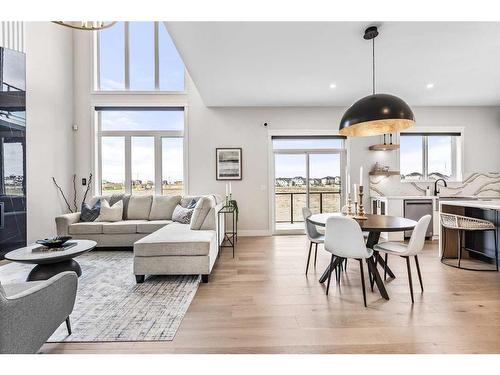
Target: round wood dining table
x,y
374,225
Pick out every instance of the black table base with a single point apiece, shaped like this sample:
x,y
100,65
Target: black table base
x,y
373,262
47,270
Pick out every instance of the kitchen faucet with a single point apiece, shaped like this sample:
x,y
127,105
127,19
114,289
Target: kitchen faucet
x,y
436,191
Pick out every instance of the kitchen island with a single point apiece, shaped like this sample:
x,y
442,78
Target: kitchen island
x,y
483,242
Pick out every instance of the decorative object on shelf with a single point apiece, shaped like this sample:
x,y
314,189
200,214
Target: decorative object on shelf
x,y
229,194
377,113
390,139
75,206
86,25
228,163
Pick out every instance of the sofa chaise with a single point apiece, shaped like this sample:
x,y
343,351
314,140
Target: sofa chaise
x,y
161,246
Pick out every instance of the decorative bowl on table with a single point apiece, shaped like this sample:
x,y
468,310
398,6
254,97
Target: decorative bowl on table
x,y
53,242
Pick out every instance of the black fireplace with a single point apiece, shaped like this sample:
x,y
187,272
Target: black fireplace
x,y
12,150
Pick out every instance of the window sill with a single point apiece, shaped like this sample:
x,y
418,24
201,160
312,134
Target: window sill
x,y
130,92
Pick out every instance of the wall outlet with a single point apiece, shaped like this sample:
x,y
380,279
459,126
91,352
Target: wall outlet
x,y
84,181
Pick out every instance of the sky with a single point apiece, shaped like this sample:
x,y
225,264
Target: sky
x,y
141,58
439,154
142,67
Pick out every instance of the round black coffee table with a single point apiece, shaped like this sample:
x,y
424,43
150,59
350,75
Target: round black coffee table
x,y
50,263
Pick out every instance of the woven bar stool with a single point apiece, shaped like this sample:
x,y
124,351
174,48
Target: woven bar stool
x,y
462,224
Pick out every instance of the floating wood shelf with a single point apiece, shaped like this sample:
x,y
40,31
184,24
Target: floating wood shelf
x,y
383,147
382,173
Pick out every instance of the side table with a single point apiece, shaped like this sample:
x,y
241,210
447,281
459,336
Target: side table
x,y
229,237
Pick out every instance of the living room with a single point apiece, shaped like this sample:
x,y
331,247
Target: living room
x,y
314,186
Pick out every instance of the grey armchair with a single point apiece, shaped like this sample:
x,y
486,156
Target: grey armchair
x,y
30,312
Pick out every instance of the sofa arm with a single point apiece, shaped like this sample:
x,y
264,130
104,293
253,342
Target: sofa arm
x,y
64,221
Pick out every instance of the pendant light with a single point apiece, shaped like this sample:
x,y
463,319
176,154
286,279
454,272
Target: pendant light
x,y
377,113
86,25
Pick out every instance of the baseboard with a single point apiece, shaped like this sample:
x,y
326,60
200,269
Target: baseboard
x,y
253,233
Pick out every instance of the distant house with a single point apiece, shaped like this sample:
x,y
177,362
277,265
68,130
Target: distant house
x,y
282,182
298,181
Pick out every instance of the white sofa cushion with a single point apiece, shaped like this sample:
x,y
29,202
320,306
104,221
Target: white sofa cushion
x,y
200,212
163,207
175,239
139,207
121,227
151,226
110,213
92,227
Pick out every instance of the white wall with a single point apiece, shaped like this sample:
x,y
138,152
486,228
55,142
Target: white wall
x,y
49,103
241,127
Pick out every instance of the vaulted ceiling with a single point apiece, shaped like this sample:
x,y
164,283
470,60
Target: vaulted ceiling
x,y
295,63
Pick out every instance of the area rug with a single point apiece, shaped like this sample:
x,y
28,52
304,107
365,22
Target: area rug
x,y
110,306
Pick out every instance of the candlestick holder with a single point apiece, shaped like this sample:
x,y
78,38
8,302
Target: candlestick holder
x,y
349,205
360,213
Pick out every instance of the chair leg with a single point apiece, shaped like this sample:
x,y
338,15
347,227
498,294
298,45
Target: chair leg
x,y
385,267
315,255
371,276
68,325
419,274
459,247
362,280
330,274
496,249
409,277
309,256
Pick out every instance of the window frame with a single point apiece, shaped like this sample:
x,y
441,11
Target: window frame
x,y
95,67
158,135
457,157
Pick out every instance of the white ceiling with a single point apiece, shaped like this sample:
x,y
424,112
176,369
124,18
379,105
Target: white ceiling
x,y
293,63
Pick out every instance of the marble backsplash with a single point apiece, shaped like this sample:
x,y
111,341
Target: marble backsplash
x,y
474,184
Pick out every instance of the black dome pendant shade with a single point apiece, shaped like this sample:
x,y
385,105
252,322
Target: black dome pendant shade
x,y
377,113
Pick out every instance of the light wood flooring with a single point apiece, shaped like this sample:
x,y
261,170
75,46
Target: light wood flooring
x,y
262,302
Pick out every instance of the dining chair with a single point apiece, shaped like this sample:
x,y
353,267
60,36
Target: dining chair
x,y
344,239
414,246
313,235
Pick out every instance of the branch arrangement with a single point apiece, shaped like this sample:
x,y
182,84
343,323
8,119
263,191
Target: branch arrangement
x,y
74,193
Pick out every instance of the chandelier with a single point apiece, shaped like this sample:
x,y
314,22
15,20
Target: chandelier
x,y
86,25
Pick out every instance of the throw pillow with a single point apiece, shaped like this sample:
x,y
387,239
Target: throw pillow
x,y
188,200
111,213
163,207
89,213
182,215
200,213
139,207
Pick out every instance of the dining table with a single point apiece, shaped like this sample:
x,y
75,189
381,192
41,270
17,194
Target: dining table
x,y
374,225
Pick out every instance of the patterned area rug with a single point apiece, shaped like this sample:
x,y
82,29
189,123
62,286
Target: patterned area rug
x,y
110,306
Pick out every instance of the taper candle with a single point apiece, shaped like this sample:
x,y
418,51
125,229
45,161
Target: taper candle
x,y
355,194
361,176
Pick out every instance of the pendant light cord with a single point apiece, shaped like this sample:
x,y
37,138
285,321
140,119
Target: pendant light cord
x,y
373,66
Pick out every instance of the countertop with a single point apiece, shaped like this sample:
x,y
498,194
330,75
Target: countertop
x,y
493,204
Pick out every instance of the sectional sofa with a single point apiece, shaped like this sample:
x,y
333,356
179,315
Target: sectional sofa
x,y
161,246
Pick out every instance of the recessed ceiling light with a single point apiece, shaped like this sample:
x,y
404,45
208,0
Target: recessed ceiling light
x,y
333,85
430,85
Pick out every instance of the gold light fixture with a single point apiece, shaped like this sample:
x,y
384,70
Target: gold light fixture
x,y
86,25
377,113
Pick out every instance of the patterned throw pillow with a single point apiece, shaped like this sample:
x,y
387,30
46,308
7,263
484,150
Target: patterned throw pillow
x,y
90,213
182,215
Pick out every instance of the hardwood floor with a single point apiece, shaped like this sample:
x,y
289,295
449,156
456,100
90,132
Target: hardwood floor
x,y
261,302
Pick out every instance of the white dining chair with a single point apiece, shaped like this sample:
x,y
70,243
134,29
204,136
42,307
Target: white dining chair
x,y
414,246
344,239
313,235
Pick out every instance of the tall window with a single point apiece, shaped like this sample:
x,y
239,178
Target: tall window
x,y
138,56
141,150
429,156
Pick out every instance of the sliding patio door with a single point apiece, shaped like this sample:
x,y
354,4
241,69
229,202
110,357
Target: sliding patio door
x,y
306,174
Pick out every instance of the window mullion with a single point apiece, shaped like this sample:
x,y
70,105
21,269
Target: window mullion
x,y
425,161
158,166
127,56
128,165
157,55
